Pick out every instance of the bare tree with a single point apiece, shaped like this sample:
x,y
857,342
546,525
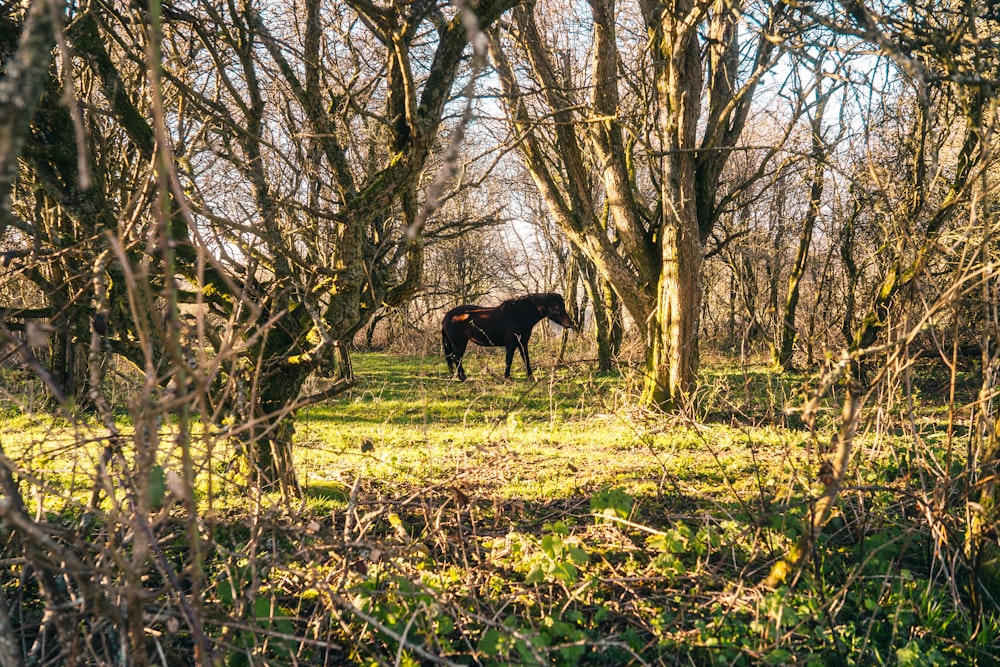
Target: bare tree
x,y
283,183
820,147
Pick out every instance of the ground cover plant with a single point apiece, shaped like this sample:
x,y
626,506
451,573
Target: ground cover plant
x,y
498,522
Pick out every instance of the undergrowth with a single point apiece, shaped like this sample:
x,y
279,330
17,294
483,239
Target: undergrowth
x,y
546,523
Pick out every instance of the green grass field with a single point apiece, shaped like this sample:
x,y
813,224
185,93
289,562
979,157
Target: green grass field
x,y
506,522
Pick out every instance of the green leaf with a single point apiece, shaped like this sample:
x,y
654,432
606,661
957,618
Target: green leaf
x,y
579,556
262,608
557,545
612,502
601,614
557,527
527,657
909,655
777,657
565,571
491,643
157,489
658,542
225,593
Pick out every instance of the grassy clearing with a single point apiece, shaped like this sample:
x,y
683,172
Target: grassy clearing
x,y
576,530
568,434
504,522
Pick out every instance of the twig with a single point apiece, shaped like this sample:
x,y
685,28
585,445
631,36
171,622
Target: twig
x,y
389,632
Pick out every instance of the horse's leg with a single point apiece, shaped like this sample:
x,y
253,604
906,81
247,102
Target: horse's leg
x,y
449,353
523,344
459,352
511,345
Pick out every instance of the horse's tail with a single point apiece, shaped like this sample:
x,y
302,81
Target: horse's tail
x,y
449,351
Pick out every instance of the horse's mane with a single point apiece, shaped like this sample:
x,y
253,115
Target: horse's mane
x,y
523,300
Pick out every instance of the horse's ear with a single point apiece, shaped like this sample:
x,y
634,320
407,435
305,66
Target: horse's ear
x,y
555,301
547,302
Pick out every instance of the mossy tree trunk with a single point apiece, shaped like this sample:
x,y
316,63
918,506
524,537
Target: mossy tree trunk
x,y
25,54
981,548
690,171
607,317
67,204
672,331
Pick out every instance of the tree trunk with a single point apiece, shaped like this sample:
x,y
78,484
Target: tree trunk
x,y
272,467
607,321
345,368
20,90
782,355
68,365
572,282
744,292
672,331
851,272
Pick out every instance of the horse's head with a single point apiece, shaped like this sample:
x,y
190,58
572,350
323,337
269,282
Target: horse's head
x,y
553,307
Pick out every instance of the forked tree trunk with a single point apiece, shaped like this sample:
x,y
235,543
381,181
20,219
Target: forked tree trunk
x,y
654,257
672,330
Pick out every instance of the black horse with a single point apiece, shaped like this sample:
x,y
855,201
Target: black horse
x,y
508,324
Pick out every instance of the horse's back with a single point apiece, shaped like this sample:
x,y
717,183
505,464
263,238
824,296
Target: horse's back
x,y
462,313
482,325
465,308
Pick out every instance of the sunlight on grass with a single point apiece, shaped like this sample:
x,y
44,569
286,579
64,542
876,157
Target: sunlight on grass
x,y
407,425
